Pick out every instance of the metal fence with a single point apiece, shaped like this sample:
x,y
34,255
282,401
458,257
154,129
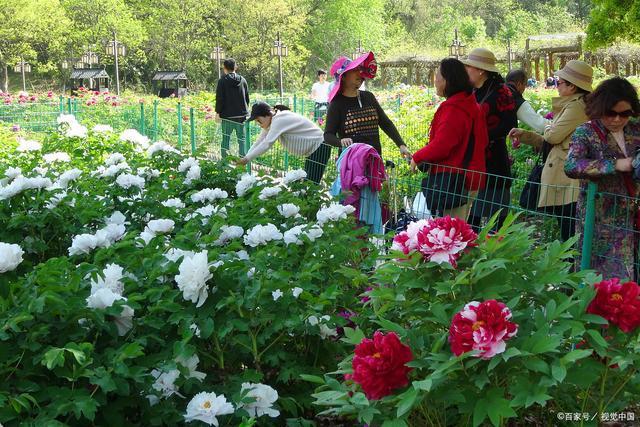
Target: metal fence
x,y
606,243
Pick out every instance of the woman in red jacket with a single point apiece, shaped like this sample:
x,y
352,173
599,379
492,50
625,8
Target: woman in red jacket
x,y
458,139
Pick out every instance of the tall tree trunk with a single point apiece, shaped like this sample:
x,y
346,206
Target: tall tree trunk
x,y
5,80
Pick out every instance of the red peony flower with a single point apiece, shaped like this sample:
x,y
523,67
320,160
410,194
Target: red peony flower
x,y
483,327
618,303
444,239
379,365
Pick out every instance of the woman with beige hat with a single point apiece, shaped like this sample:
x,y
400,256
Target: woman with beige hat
x,y
558,192
499,107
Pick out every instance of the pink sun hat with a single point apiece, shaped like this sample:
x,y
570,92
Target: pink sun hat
x,y
366,63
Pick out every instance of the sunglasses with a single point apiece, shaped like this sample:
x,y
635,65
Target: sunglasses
x,y
622,114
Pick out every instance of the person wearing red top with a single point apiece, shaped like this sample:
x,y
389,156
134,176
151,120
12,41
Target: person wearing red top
x,y
450,134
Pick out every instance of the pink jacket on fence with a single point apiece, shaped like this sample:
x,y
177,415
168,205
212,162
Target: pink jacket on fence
x,y
360,166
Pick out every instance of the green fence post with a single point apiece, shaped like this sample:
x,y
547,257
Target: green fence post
x,y
398,102
589,220
302,109
295,103
142,130
61,105
286,161
192,123
247,142
69,105
155,120
179,126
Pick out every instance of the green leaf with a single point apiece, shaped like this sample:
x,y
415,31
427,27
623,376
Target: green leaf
x,y
536,364
353,336
53,358
394,423
312,378
390,326
558,371
574,355
359,399
407,399
595,335
423,384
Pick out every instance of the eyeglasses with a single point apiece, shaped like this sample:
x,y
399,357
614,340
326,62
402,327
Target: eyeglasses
x,y
622,114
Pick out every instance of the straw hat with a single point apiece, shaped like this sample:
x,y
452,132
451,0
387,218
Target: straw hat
x,y
481,58
578,73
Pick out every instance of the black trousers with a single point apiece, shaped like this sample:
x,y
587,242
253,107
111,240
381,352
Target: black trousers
x,y
316,163
566,216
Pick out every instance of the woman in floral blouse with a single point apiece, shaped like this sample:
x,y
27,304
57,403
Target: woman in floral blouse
x,y
601,150
499,107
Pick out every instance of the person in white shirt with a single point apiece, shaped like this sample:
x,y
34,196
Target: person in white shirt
x,y
320,94
517,82
299,136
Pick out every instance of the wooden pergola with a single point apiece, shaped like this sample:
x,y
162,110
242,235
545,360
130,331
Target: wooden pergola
x,y
419,69
554,52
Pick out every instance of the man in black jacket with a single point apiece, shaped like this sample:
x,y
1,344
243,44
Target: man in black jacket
x,y
232,101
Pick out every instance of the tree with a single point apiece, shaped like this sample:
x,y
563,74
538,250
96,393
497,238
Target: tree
x,y
612,20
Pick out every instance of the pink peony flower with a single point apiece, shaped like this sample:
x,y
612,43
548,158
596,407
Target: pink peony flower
x,y
483,327
618,303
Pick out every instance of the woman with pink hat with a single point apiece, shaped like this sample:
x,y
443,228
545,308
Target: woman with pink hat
x,y
355,115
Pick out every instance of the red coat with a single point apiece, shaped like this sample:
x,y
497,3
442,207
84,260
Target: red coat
x,y
449,136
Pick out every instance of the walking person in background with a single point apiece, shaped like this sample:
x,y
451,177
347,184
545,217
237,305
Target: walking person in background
x,y
517,82
320,95
458,138
232,102
355,115
499,108
298,134
558,192
602,150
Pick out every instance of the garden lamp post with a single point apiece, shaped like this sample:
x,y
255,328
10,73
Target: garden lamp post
x,y
217,54
22,67
279,49
359,51
457,48
116,49
510,53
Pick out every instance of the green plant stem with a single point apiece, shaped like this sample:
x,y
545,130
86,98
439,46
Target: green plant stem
x,y
272,343
620,387
220,352
602,384
15,368
584,403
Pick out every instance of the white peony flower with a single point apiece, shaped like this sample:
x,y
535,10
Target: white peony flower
x,y
110,234
76,130
192,280
296,291
165,382
83,244
251,272
20,183
112,170
187,164
326,332
116,218
12,173
242,255
246,182
261,235
277,294
288,210
28,145
70,175
291,236
174,254
294,175
55,200
206,407
229,232
192,365
262,211
10,256
159,226
132,135
268,192
58,156
264,395
193,174
102,129
127,180
195,329
146,237
114,159
66,119
159,147
314,233
111,279
174,203
334,212
209,195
